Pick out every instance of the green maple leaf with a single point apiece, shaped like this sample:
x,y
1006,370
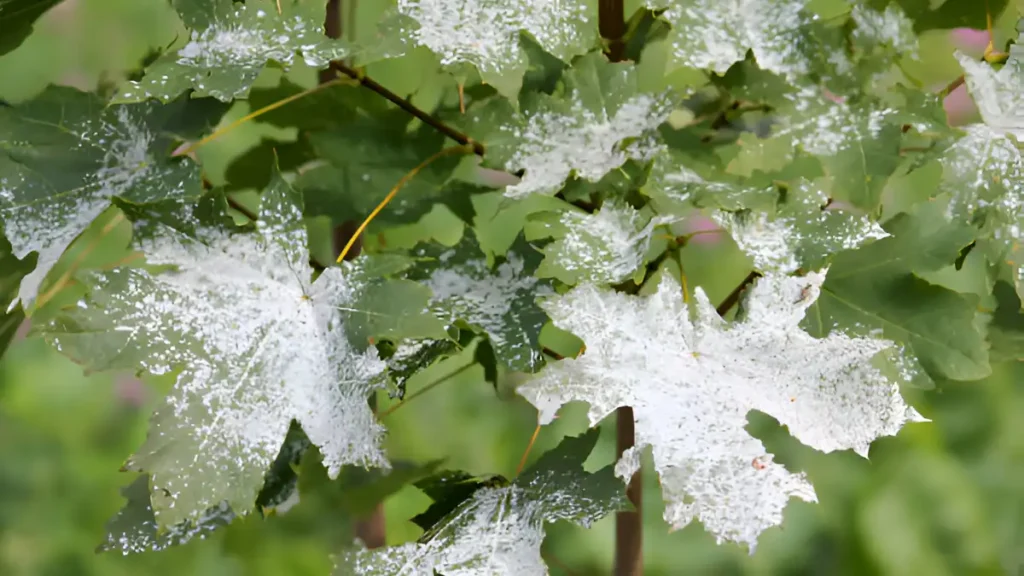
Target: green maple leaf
x,y
11,314
254,344
782,227
497,300
928,15
875,288
17,18
363,161
64,155
597,122
230,44
498,529
485,34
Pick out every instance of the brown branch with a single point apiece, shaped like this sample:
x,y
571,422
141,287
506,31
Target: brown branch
x,y
404,104
612,25
628,525
734,296
956,83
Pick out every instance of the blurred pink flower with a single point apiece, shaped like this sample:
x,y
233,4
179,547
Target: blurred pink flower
x,y
960,107
970,41
701,230
130,391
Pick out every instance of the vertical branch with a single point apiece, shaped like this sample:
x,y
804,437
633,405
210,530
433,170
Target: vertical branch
x,y
612,24
371,530
628,525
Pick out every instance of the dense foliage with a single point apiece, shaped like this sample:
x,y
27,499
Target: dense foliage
x,y
537,205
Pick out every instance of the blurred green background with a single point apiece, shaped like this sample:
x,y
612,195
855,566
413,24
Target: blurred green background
x,y
941,498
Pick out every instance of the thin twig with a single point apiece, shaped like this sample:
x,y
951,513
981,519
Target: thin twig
x,y
77,262
404,104
250,116
734,296
956,83
405,179
427,388
529,447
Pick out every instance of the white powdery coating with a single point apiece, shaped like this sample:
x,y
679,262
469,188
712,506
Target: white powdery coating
x,y
891,27
37,218
147,536
485,298
691,383
825,128
999,95
258,346
485,33
606,247
715,34
497,532
984,171
768,242
553,145
224,58
775,244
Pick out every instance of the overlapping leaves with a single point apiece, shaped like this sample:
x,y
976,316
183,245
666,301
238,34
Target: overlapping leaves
x,y
254,344
65,155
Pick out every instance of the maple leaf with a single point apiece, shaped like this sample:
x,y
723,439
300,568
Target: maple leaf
x,y
498,530
64,155
983,171
607,247
230,44
600,121
691,378
254,344
485,34
498,300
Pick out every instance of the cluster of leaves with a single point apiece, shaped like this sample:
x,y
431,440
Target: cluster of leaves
x,y
784,125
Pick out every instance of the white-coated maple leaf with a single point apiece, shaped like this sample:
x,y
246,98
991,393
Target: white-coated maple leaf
x,y
485,33
999,95
231,42
254,345
715,34
598,123
64,156
498,530
983,171
691,379
602,248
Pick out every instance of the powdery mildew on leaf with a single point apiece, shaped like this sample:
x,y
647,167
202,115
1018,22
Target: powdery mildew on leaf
x,y
825,127
226,53
485,33
134,530
691,378
498,301
602,248
116,154
498,531
715,34
891,28
552,144
257,345
998,94
801,232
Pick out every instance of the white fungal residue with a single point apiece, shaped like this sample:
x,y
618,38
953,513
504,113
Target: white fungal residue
x,y
553,145
492,300
485,33
691,379
114,152
257,345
